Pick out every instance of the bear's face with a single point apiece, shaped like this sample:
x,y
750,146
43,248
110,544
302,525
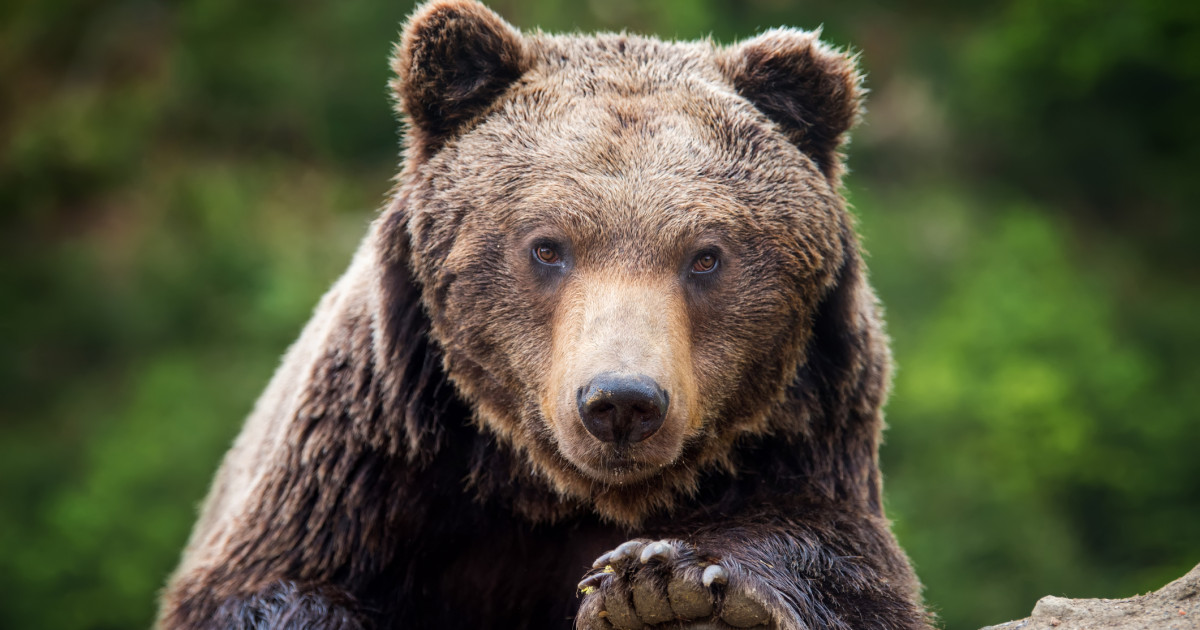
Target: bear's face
x,y
620,254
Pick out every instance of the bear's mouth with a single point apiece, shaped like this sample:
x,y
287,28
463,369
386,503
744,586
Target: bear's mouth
x,y
616,464
618,468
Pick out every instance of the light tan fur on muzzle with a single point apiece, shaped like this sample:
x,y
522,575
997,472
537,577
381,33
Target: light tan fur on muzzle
x,y
626,323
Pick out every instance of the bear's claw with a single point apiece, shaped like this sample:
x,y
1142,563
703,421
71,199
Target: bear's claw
x,y
715,574
591,581
660,550
626,550
602,561
667,584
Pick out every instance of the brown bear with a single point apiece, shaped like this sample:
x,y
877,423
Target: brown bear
x,y
613,325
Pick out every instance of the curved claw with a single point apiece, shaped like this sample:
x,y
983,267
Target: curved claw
x,y
626,550
591,581
602,560
661,550
715,574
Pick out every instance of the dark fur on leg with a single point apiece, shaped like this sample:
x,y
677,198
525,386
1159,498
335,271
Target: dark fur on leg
x,y
820,568
280,606
285,606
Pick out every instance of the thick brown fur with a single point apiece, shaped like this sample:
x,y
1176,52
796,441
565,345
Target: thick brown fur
x,y
415,462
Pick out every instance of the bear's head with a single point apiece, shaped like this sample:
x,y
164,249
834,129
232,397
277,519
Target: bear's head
x,y
632,254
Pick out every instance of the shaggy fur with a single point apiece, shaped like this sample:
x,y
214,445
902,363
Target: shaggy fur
x,y
417,460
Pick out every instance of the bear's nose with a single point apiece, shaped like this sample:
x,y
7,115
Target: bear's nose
x,y
622,408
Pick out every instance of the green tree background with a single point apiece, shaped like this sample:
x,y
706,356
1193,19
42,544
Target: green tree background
x,y
179,182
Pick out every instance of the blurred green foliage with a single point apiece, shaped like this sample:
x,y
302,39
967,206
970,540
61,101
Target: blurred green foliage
x,y
181,180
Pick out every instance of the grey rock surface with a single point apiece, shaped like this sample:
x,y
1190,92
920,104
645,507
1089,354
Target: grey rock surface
x,y
1175,606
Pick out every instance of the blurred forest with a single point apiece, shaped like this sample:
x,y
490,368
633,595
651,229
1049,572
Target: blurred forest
x,y
180,181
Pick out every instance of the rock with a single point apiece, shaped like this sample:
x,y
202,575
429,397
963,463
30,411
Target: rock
x,y
1175,606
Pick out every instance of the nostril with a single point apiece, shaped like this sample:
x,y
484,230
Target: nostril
x,y
622,408
642,409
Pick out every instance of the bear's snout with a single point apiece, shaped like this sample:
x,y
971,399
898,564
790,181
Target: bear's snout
x,y
622,408
620,396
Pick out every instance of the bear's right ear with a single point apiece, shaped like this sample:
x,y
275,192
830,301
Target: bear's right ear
x,y
454,59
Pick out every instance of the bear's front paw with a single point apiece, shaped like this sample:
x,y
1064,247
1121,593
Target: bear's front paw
x,y
643,583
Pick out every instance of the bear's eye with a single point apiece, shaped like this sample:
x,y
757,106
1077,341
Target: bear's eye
x,y
546,254
704,263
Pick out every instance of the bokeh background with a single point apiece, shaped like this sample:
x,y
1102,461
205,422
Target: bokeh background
x,y
180,181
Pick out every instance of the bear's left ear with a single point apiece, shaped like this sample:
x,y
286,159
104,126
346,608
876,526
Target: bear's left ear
x,y
813,92
454,59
